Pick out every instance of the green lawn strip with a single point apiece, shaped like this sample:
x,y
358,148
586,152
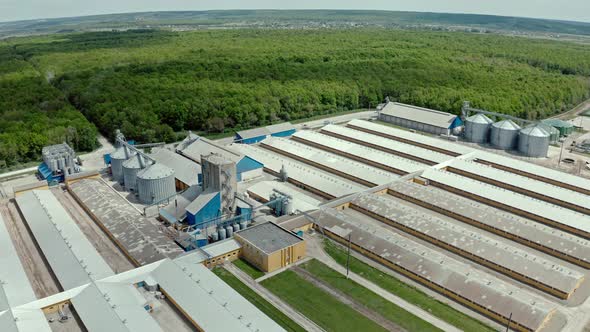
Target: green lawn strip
x,y
257,300
406,292
250,269
319,306
366,297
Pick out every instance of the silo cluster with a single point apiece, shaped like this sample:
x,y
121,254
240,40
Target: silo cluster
x,y
151,182
59,158
118,157
532,141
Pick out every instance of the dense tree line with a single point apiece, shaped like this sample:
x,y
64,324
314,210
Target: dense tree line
x,y
152,84
34,114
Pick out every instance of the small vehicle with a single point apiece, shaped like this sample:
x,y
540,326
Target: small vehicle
x,y
568,161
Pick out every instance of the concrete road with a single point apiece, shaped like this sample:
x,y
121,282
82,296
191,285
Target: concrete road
x,y
300,319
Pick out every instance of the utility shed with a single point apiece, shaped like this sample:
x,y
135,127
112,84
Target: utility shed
x,y
205,207
418,118
186,171
270,247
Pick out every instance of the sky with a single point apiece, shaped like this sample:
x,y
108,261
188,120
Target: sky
x,y
575,10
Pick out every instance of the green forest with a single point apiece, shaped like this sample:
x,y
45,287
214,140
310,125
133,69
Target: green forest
x,y
154,84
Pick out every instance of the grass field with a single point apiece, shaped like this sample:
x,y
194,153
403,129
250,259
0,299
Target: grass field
x,y
366,297
250,269
319,306
407,292
258,301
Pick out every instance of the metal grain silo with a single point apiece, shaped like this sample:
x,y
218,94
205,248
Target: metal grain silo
x,y
553,132
120,155
155,183
477,128
533,141
504,134
130,169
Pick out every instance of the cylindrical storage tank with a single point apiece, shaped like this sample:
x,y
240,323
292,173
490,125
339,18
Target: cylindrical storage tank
x,y
236,227
288,207
477,128
553,132
229,231
243,225
222,234
215,237
533,141
155,183
504,134
120,155
130,169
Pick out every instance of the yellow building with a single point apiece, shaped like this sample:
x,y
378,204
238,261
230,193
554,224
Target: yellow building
x,y
270,247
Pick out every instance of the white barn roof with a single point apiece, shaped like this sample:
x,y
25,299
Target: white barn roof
x,y
419,114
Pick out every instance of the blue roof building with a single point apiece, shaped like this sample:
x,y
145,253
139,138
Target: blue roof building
x,y
205,207
256,135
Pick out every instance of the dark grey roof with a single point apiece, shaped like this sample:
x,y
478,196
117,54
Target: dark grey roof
x,y
269,237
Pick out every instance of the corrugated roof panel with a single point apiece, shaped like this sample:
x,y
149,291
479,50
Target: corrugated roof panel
x,y
419,114
418,138
185,169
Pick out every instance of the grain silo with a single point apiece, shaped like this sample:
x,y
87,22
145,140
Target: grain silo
x,y
130,169
120,155
477,128
504,134
155,183
553,132
533,141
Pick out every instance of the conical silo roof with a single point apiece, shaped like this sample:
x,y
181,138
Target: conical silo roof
x,y
479,118
155,171
535,130
506,125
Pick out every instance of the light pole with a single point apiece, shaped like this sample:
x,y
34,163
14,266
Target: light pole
x,y
348,256
560,155
508,325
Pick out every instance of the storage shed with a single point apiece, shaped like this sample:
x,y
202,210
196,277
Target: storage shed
x,y
269,246
256,135
418,118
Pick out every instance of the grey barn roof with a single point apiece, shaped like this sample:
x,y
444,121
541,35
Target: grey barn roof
x,y
185,170
251,133
269,237
419,114
71,256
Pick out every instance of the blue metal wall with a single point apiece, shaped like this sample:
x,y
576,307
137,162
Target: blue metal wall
x,y
211,210
250,140
456,123
247,164
285,133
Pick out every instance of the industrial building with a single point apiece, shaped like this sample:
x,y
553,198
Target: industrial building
x,y
270,247
59,160
186,171
476,289
140,239
418,118
427,142
194,147
256,135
